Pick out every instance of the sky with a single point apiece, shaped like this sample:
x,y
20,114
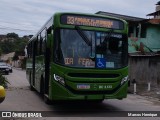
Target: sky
x,y
26,17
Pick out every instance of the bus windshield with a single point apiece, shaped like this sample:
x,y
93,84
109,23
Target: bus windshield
x,y
105,50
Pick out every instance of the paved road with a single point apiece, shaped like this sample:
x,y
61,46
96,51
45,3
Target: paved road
x,y
20,98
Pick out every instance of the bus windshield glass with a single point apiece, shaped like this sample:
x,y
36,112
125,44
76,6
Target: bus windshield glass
x,y
103,49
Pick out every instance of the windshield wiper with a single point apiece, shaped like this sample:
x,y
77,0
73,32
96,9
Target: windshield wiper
x,y
87,41
82,34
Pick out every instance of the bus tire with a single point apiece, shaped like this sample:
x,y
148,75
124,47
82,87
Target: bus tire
x,y
42,86
47,101
97,101
32,88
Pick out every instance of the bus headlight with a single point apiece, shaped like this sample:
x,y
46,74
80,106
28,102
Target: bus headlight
x,y
125,79
59,79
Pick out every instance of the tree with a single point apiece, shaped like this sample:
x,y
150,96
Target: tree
x,y
0,52
13,43
7,46
12,35
30,36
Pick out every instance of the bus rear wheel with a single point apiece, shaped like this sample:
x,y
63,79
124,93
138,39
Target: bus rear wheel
x,y
96,101
42,86
32,88
47,100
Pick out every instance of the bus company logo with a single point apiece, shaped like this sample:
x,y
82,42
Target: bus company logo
x,y
21,114
6,114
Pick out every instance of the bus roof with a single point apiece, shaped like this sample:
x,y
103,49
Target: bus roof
x,y
49,22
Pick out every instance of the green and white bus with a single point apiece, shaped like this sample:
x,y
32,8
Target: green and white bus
x,y
77,56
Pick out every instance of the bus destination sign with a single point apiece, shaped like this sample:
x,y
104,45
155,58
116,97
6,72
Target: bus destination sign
x,y
91,21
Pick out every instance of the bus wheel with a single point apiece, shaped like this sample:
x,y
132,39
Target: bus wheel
x,y
42,86
96,101
32,88
46,100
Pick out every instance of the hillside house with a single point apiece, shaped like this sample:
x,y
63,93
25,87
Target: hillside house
x,y
143,47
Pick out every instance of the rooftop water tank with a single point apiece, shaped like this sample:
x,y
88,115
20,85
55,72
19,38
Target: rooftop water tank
x,y
158,6
158,3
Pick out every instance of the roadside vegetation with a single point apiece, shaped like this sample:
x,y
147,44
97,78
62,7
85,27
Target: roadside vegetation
x,y
13,43
3,81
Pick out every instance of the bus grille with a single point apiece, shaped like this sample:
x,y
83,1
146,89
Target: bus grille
x,y
93,75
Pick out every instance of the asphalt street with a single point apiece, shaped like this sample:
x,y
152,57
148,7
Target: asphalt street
x,y
20,98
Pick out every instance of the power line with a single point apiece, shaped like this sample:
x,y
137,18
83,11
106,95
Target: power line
x,y
7,28
16,23
15,27
2,32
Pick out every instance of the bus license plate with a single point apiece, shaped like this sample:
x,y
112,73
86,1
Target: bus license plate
x,y
83,86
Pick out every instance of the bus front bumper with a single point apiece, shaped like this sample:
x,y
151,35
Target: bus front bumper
x,y
64,94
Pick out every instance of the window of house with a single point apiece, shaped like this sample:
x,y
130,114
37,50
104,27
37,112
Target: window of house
x,y
131,31
143,31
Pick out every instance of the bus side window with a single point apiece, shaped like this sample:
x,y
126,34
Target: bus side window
x,y
29,50
28,53
35,47
38,45
43,45
43,41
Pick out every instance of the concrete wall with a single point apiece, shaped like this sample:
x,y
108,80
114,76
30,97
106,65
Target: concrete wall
x,y
144,70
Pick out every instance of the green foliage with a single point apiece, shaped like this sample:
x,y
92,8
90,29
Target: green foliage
x,y
3,81
12,35
13,43
7,46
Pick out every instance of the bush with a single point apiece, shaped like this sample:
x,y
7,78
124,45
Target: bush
x,y
3,81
